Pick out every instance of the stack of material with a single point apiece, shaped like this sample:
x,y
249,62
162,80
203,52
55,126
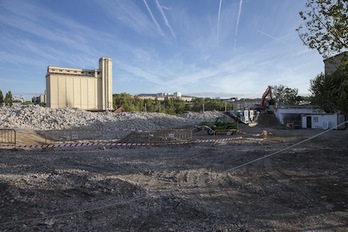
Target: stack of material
x,y
267,120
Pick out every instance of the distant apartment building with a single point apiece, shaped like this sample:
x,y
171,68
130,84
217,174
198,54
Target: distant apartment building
x,y
332,63
88,89
162,96
39,100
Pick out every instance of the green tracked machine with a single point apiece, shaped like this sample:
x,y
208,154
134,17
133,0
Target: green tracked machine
x,y
220,126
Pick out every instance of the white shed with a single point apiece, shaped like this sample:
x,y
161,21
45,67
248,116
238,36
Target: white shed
x,y
323,121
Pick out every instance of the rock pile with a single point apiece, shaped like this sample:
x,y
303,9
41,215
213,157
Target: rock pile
x,y
40,118
268,120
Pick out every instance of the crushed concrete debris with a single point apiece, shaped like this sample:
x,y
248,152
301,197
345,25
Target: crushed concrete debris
x,y
40,118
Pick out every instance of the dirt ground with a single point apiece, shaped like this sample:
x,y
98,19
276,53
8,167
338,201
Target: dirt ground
x,y
192,187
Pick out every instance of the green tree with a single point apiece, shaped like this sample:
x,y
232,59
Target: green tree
x,y
157,105
284,95
128,102
341,76
209,104
188,107
8,99
149,105
198,104
326,26
179,106
343,97
28,103
1,98
169,105
319,88
329,92
138,104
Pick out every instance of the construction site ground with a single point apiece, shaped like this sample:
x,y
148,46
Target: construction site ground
x,y
200,186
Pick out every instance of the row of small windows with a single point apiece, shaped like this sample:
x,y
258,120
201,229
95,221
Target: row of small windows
x,y
83,73
60,70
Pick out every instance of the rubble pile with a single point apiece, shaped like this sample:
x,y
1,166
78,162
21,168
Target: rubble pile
x,y
268,120
40,118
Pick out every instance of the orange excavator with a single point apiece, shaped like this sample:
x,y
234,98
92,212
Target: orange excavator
x,y
267,92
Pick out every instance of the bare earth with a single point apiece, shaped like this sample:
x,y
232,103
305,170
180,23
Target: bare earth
x,y
192,187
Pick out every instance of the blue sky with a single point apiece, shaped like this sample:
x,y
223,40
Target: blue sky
x,y
210,48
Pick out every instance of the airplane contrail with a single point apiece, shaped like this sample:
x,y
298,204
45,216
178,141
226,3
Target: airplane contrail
x,y
237,24
165,18
153,17
218,22
271,36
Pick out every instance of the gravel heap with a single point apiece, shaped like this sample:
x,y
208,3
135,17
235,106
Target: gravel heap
x,y
40,118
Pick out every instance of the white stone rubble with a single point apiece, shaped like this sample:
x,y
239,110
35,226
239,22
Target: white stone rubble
x,y
41,118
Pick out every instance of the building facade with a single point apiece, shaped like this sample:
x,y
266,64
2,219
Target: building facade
x,y
162,96
39,100
332,63
88,89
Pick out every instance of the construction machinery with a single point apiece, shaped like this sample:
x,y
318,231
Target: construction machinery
x,y
270,102
220,125
236,116
267,92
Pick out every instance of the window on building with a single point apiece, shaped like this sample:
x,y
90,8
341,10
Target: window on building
x,y
315,119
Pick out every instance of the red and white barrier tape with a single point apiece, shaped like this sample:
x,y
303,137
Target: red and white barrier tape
x,y
118,144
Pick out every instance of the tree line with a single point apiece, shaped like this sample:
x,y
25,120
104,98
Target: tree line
x,y
170,105
7,100
282,95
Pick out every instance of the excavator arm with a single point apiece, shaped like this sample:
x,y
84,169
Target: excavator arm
x,y
267,92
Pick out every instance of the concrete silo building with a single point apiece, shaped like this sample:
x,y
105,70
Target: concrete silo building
x,y
80,88
332,63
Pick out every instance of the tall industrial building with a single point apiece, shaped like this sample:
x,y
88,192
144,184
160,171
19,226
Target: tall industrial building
x,y
332,63
80,88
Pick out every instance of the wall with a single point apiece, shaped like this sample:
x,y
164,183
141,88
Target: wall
x,y
285,112
332,63
320,121
74,92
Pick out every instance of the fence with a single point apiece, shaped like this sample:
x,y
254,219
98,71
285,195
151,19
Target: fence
x,y
159,136
7,137
71,135
170,135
